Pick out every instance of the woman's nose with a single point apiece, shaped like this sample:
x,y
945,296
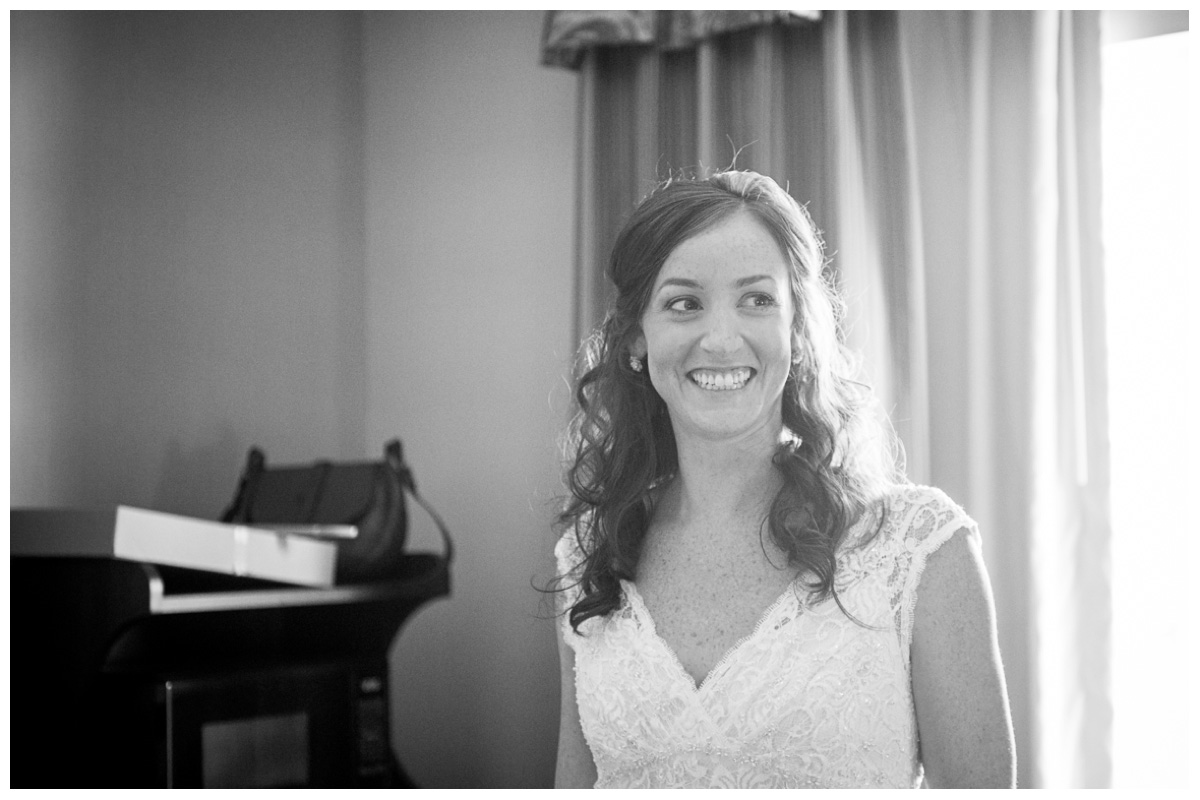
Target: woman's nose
x,y
722,335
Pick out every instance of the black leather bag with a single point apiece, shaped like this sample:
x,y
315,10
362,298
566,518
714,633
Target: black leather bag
x,y
368,495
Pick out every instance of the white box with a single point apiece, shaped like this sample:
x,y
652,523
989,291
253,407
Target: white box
x,y
140,535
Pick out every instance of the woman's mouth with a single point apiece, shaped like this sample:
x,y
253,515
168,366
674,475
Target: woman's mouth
x,y
721,380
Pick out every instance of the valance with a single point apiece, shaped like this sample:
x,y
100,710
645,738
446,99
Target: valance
x,y
567,34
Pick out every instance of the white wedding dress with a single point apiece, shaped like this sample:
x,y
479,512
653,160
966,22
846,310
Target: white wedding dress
x,y
808,699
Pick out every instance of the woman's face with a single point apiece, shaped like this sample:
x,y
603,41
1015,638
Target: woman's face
x,y
717,332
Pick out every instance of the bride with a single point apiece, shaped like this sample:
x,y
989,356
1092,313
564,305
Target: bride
x,y
752,594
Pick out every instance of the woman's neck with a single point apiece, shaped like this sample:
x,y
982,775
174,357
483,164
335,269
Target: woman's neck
x,y
723,482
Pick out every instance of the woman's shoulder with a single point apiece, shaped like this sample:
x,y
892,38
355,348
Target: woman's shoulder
x,y
908,514
567,550
923,517
916,494
573,545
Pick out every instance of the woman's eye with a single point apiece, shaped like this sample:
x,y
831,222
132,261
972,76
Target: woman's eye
x,y
761,300
683,304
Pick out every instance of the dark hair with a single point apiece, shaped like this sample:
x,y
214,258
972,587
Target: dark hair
x,y
620,444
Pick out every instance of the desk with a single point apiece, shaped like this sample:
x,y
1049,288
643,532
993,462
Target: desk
x,y
124,673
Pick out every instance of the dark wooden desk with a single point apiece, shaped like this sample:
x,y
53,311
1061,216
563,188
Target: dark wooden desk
x,y
131,674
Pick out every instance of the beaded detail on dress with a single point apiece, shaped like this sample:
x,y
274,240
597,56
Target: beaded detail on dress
x,y
807,699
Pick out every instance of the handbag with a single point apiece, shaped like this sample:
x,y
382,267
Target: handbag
x,y
368,495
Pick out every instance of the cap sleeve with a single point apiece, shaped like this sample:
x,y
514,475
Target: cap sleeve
x,y
568,554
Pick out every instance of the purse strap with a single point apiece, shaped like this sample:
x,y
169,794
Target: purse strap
x,y
247,485
395,458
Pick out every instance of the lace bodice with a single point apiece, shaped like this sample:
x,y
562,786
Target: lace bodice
x,y
808,699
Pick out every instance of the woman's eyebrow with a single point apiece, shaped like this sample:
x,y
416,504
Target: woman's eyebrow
x,y
687,283
752,279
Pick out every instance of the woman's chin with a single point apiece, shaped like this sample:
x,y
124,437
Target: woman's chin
x,y
728,425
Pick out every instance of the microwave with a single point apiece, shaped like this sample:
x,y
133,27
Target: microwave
x,y
315,725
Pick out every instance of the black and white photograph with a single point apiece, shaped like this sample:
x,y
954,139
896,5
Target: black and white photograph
x,y
559,399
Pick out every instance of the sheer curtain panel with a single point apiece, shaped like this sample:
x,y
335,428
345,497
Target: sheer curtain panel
x,y
1005,108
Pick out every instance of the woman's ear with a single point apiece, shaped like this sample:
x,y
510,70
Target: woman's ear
x,y
638,348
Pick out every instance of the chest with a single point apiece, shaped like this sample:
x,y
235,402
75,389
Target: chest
x,y
809,699
705,596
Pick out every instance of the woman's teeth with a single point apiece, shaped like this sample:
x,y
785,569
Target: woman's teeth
x,y
721,380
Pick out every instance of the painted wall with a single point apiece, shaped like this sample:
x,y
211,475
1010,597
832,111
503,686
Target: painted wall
x,y
470,196
311,232
186,262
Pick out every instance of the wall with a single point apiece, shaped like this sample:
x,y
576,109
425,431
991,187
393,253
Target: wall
x,y
470,194
186,275
310,232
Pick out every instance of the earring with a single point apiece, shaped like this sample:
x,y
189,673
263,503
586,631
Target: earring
x,y
798,369
635,363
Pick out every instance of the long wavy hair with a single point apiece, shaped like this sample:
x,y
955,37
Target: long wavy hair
x,y
620,446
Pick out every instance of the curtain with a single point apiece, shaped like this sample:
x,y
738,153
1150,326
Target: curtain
x,y
1005,115
952,160
653,86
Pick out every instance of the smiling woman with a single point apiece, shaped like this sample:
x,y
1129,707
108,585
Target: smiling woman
x,y
741,556
717,333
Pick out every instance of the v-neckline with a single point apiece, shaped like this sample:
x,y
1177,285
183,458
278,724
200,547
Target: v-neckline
x,y
720,667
